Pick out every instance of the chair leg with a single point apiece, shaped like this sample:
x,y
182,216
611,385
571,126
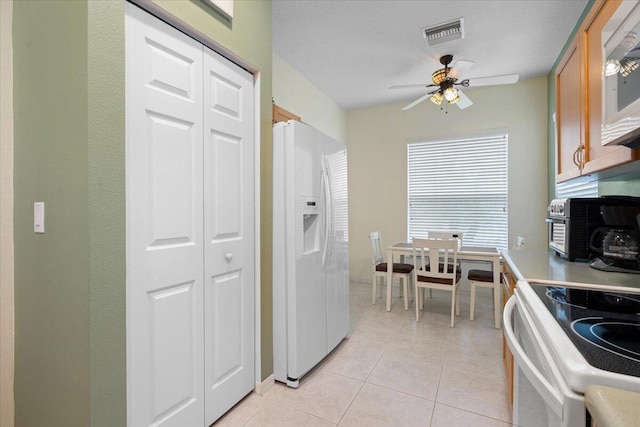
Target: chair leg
x,y
457,292
416,292
421,298
473,300
374,288
453,306
406,293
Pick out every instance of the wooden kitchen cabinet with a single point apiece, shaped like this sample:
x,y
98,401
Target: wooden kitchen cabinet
x,y
508,286
570,113
282,115
579,102
599,157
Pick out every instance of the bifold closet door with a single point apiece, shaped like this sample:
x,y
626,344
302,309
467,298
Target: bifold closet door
x,y
229,206
189,242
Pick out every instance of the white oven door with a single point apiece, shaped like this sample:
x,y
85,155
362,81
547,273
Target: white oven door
x,y
538,390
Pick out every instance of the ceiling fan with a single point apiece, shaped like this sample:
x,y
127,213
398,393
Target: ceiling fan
x,y
448,87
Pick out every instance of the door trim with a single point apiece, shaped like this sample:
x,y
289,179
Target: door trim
x,y
7,258
180,25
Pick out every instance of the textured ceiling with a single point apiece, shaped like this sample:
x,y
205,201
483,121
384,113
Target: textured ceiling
x,y
353,50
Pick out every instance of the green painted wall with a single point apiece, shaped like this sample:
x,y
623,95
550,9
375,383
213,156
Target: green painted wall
x,y
625,186
69,138
106,212
51,269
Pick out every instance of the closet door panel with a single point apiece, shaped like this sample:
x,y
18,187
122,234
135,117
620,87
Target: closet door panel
x,y
164,224
229,229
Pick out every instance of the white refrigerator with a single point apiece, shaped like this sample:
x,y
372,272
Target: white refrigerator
x,y
310,248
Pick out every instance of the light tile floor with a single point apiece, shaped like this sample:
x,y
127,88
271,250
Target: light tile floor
x,y
394,371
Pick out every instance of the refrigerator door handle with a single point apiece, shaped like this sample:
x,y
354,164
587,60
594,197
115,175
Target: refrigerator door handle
x,y
329,210
326,194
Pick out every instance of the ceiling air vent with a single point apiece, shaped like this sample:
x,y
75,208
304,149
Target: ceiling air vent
x,y
442,33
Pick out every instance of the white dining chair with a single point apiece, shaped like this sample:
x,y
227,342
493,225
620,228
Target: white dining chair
x,y
484,278
437,234
379,267
437,269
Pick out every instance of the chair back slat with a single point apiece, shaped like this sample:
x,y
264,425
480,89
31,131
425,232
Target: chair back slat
x,y
437,234
377,255
441,256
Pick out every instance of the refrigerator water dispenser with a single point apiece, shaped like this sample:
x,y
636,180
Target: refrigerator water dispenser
x,y
310,227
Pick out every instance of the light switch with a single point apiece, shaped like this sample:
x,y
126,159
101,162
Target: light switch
x,y
38,217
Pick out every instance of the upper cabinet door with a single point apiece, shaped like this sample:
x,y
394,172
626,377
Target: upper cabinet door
x,y
569,112
164,221
599,156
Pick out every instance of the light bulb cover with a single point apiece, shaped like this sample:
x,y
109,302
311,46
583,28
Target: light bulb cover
x,y
450,93
438,76
629,41
454,100
628,66
611,67
436,98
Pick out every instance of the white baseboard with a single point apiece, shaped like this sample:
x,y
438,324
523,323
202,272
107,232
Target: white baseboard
x,y
262,387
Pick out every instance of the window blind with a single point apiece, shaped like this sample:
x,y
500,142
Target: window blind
x,y
338,172
460,185
576,189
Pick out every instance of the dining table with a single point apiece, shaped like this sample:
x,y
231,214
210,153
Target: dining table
x,y
465,253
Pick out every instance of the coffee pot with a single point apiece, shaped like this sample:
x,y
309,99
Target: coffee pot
x,y
616,244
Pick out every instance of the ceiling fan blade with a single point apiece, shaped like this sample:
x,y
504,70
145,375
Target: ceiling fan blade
x,y
493,80
417,101
410,86
460,67
464,100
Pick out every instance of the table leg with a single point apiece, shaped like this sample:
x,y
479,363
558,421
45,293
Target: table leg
x,y
389,277
497,292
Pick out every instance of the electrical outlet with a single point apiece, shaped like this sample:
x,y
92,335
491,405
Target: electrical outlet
x,y
38,217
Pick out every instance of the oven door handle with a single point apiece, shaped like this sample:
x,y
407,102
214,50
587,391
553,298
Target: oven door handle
x,y
551,395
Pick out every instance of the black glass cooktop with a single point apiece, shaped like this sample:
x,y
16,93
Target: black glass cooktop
x,y
604,326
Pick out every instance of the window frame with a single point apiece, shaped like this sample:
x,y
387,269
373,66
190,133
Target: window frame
x,y
498,147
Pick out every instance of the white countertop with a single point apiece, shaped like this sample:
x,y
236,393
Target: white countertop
x,y
612,407
547,267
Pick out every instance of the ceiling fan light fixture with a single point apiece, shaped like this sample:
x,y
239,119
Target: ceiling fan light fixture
x,y
438,76
454,100
611,67
629,41
628,66
436,98
450,94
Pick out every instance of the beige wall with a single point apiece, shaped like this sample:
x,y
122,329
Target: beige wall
x,y
296,94
6,215
377,141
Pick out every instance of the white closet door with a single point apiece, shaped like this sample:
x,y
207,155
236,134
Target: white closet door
x,y
164,224
229,234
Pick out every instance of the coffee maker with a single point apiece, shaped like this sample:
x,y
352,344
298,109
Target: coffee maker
x,y
615,245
